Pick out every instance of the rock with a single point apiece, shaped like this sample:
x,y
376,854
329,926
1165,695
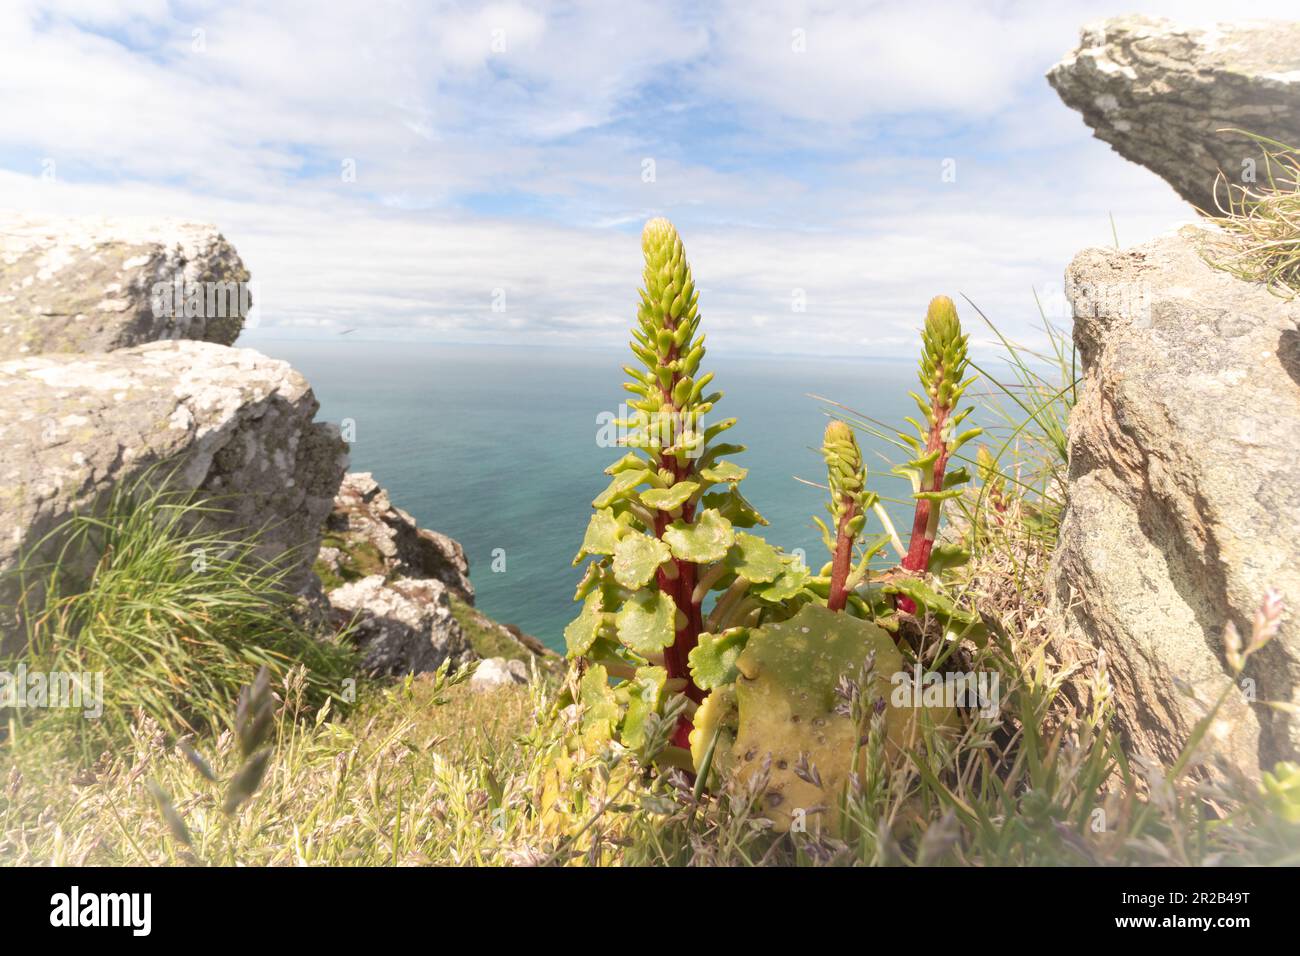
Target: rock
x,y
1159,93
95,285
366,535
401,627
496,672
231,423
1184,492
371,535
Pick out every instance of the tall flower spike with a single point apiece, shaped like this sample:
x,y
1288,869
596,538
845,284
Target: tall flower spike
x,y
942,375
848,506
663,533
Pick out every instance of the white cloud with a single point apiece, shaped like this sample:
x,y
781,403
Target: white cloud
x,y
513,159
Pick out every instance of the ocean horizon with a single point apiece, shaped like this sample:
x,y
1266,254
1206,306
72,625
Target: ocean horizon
x,y
497,446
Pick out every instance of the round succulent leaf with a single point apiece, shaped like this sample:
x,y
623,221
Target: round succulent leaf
x,y
666,499
601,535
647,622
713,659
584,628
644,697
789,583
787,704
754,559
707,539
636,558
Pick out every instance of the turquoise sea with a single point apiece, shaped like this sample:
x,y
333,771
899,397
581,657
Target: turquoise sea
x,y
497,446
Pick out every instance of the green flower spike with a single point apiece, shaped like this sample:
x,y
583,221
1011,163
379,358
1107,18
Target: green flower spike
x,y
942,375
850,501
663,535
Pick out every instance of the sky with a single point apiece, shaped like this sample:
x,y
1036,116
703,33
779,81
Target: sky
x,y
479,173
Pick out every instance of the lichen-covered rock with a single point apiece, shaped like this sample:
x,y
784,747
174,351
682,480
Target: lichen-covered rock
x,y
1160,94
1184,492
400,627
230,424
365,533
493,672
93,284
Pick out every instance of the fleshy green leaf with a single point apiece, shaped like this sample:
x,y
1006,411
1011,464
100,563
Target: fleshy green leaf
x,y
629,462
708,539
602,534
636,557
621,484
582,630
957,476
666,499
944,557
647,622
723,471
600,710
713,660
754,559
929,600
787,585
644,696
590,581
731,504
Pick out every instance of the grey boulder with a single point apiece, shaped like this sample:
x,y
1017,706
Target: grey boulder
x,y
1184,495
1161,95
95,284
230,424
400,627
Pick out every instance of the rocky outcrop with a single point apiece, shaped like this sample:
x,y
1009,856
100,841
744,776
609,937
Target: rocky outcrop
x,y
369,535
231,424
1160,94
1184,493
378,565
400,627
95,285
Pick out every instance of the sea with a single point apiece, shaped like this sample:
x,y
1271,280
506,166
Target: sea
x,y
499,447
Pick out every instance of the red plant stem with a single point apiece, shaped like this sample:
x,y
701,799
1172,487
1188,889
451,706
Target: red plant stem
x,y
681,588
839,593
921,543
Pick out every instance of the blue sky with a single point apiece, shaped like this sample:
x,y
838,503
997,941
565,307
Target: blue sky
x,y
508,148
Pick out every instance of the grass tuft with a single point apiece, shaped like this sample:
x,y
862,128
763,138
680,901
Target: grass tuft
x,y
174,617
1262,222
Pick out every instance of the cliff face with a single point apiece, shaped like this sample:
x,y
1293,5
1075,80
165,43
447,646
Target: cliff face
x,y
405,590
1175,99
115,368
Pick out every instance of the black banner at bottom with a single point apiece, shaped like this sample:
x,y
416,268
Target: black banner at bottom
x,y
335,906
